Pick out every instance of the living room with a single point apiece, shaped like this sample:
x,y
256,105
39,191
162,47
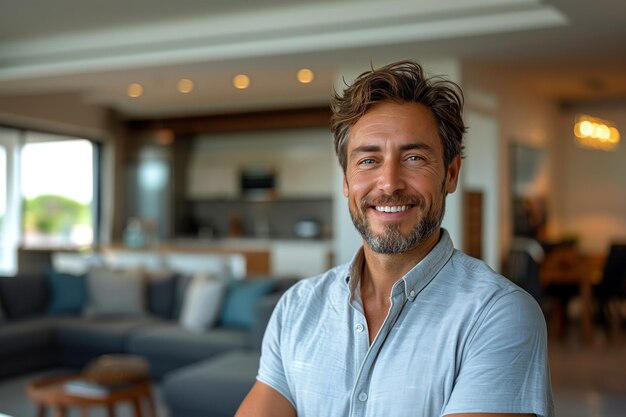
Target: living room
x,y
224,150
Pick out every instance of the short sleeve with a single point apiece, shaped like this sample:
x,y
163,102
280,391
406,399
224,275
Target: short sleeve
x,y
504,365
271,368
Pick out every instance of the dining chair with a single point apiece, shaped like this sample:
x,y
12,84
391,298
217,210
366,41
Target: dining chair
x,y
611,291
525,256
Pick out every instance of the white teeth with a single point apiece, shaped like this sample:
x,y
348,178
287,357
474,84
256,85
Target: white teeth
x,y
392,209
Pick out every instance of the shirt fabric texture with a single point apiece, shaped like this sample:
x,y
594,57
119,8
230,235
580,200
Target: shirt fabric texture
x,y
458,338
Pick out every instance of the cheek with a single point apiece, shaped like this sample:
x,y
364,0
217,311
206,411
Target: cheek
x,y
357,185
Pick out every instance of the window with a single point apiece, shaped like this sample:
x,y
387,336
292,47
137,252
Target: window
x,y
9,204
3,203
57,189
48,193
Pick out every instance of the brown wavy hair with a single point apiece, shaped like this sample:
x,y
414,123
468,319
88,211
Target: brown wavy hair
x,y
400,82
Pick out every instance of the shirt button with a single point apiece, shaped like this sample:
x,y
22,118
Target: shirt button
x,y
412,293
360,328
362,396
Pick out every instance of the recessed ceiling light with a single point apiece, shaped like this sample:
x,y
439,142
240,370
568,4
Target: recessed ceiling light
x,y
134,90
305,75
241,81
185,86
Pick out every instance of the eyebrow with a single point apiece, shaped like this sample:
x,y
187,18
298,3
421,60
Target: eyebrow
x,y
403,148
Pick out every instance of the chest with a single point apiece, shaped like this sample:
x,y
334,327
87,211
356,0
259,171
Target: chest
x,y
411,363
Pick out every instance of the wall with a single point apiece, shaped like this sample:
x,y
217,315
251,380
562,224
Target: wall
x,y
523,118
55,113
480,173
592,184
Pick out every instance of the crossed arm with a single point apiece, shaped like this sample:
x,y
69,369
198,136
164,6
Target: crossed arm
x,y
264,401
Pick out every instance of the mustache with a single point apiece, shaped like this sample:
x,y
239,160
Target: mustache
x,y
396,199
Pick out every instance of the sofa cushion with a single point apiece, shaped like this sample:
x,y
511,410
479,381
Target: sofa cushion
x,y
104,335
27,345
120,293
203,300
161,293
181,289
171,342
23,296
25,335
68,293
241,300
213,387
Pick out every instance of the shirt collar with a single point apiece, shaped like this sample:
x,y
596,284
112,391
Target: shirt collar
x,y
417,278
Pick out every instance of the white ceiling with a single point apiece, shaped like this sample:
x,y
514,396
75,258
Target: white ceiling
x,y
569,50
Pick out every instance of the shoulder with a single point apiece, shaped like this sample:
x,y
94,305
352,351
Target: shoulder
x,y
312,293
474,284
475,276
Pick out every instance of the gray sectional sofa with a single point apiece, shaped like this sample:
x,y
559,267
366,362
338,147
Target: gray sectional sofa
x,y
201,373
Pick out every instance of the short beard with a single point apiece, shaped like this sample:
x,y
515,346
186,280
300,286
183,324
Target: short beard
x,y
392,241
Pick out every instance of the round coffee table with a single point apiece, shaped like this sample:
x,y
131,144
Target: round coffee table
x,y
49,392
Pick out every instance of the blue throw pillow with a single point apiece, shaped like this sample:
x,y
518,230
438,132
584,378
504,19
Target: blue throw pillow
x,y
241,299
162,295
68,293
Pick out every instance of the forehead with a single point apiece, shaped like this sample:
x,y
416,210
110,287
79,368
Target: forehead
x,y
390,124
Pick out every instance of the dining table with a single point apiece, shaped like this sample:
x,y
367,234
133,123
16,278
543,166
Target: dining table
x,y
567,266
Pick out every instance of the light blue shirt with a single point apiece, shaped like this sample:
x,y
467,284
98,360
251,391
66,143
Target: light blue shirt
x,y
458,338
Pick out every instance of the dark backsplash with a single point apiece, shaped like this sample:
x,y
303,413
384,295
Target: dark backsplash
x,y
262,219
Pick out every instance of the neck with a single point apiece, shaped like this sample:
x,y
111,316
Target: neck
x,y
382,271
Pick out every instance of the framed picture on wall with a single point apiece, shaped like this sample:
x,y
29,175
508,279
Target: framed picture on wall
x,y
528,187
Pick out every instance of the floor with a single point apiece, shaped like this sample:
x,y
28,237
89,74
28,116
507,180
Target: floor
x,y
587,381
13,401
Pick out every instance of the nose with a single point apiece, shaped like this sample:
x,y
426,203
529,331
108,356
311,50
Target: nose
x,y
391,178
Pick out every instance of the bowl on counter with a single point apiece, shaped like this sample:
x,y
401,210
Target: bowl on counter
x,y
307,228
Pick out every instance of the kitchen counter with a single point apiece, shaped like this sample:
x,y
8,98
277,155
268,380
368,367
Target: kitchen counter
x,y
264,256
245,242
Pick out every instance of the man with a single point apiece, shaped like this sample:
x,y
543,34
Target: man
x,y
411,327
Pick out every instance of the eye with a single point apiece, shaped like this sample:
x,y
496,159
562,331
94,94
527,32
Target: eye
x,y
415,158
366,161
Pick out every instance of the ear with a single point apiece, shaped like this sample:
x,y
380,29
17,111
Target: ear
x,y
346,189
452,176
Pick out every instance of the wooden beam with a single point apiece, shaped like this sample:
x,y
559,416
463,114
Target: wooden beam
x,y
239,122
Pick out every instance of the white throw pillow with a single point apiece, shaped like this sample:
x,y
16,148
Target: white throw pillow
x,y
202,303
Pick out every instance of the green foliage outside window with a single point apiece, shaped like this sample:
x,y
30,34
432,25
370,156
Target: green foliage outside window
x,y
54,214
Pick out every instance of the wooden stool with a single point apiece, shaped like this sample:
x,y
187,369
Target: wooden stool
x,y
50,392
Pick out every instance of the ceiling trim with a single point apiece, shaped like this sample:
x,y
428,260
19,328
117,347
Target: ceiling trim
x,y
276,32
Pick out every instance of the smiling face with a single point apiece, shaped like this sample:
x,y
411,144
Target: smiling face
x,y
396,180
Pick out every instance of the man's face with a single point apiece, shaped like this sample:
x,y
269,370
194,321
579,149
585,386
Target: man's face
x,y
395,178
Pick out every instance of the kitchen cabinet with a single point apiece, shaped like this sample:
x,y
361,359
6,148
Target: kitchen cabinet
x,y
211,179
300,258
302,160
310,178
